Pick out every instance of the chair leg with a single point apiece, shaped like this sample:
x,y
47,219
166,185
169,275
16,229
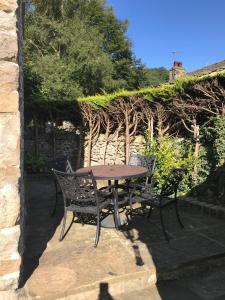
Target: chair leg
x,y
97,230
163,226
177,214
131,208
116,210
63,226
115,220
150,212
143,206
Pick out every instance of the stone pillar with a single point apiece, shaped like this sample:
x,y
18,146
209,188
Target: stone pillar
x,y
11,114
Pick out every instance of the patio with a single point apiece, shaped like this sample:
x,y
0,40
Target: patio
x,y
124,262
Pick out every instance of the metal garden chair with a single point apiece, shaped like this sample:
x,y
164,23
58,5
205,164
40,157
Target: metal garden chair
x,y
81,196
143,193
147,161
62,165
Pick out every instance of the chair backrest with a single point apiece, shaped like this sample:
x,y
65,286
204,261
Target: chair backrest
x,y
79,189
61,164
68,167
149,162
172,182
135,159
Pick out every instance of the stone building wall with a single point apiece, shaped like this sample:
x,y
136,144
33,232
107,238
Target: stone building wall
x,y
10,145
137,146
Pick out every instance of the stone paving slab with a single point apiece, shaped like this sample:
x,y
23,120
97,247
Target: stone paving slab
x,y
71,266
216,233
125,260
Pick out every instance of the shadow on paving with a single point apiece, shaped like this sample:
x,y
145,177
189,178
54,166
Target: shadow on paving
x,y
104,292
39,224
201,239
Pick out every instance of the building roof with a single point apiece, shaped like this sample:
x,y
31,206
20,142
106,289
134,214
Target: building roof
x,y
209,69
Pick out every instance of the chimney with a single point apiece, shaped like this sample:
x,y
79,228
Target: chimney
x,y
176,71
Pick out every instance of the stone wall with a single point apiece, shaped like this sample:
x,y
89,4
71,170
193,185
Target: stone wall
x,y
10,144
64,142
67,143
137,146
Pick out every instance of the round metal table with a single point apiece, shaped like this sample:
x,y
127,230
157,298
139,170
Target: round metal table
x,y
116,173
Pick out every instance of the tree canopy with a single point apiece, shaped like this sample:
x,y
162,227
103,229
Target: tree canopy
x,y
77,48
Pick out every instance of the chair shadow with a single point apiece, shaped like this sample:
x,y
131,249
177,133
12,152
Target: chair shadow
x,y
39,223
104,292
84,219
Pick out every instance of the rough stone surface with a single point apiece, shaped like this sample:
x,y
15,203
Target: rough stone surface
x,y
9,295
8,5
8,23
66,143
9,102
10,259
9,266
9,243
111,156
8,46
9,202
9,76
9,140
9,281
10,129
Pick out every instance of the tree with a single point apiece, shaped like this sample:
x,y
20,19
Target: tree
x,y
62,62
76,48
156,76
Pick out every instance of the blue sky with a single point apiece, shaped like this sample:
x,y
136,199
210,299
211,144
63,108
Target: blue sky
x,y
193,28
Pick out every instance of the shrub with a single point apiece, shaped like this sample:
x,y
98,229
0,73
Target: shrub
x,y
171,153
35,164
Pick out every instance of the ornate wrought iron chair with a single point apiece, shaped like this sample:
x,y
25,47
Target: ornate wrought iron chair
x,y
63,165
68,167
147,161
167,196
81,196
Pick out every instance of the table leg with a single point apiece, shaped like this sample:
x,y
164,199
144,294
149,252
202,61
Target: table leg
x,y
116,205
114,221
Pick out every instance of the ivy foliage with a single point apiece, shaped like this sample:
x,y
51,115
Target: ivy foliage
x,y
164,92
213,137
211,162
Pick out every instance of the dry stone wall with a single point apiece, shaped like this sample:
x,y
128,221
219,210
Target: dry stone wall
x,y
67,143
115,150
10,145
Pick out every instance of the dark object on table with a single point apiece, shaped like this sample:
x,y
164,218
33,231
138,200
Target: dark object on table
x,y
80,195
143,193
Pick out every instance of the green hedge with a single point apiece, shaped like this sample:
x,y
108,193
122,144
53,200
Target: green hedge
x,y
163,92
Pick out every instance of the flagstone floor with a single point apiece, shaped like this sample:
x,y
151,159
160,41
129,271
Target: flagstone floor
x,y
125,261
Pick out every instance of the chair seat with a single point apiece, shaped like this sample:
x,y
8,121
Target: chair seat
x,y
91,209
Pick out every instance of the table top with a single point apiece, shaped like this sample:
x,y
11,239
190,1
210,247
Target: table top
x,y
115,172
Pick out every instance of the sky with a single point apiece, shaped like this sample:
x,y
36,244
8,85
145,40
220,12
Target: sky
x,y
193,28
